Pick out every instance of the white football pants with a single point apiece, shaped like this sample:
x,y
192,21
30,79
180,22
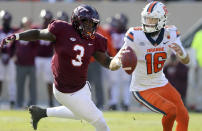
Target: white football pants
x,y
78,105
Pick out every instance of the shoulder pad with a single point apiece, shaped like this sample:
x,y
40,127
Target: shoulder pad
x,y
171,27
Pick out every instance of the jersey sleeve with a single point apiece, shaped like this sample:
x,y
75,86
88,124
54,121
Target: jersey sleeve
x,y
177,40
179,43
129,38
176,37
55,27
101,44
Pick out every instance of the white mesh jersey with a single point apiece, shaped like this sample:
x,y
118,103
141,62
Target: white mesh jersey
x,y
151,57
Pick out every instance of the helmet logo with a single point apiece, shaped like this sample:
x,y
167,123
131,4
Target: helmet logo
x,y
80,8
165,9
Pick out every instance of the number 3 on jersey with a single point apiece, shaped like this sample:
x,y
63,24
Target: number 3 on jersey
x,y
156,63
77,62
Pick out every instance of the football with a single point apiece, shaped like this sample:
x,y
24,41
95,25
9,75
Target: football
x,y
128,60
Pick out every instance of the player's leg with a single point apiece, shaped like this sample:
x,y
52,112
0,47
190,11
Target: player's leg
x,y
114,96
32,85
38,113
82,106
48,77
78,105
115,81
94,76
125,90
182,116
157,103
2,74
61,111
20,80
126,97
12,83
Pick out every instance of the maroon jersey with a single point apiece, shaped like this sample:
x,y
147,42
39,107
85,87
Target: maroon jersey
x,y
3,35
72,56
45,49
26,52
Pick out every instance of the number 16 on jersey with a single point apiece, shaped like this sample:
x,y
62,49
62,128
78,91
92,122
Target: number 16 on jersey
x,y
155,62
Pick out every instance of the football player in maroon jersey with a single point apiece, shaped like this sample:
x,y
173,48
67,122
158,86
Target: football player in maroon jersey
x,y
75,43
7,66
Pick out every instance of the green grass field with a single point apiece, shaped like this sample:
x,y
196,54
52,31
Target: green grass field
x,y
117,121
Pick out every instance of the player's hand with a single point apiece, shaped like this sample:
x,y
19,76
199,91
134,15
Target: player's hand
x,y
116,62
176,48
7,40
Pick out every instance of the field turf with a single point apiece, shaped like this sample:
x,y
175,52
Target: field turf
x,y
117,121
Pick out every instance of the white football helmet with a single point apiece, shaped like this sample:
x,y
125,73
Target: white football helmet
x,y
154,17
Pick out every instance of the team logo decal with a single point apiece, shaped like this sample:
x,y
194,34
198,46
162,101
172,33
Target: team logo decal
x,y
90,44
72,39
165,42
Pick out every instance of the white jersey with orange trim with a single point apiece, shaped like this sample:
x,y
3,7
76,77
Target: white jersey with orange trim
x,y
151,57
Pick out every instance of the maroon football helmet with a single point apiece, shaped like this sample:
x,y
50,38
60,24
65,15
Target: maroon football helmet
x,y
61,15
85,20
47,17
6,18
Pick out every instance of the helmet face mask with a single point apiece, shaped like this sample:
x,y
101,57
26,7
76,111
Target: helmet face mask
x,y
154,17
88,26
85,20
150,24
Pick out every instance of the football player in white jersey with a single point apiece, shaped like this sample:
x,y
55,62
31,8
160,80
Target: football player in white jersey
x,y
153,42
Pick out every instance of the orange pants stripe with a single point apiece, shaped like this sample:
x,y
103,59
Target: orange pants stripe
x,y
165,100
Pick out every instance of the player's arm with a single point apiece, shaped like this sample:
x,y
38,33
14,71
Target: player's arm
x,y
103,58
36,34
30,35
116,61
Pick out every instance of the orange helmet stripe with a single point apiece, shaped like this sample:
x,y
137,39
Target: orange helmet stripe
x,y
151,7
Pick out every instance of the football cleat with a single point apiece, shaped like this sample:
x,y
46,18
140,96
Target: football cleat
x,y
36,114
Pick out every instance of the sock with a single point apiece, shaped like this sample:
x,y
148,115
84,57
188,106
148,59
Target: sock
x,y
61,111
100,125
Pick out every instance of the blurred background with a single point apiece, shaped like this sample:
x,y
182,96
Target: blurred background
x,y
25,75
